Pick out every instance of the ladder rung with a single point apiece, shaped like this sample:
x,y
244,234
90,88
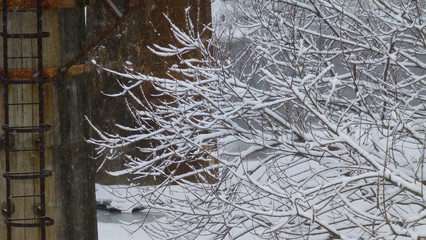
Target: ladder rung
x,y
27,129
23,104
25,81
14,10
28,175
25,196
29,222
22,57
25,35
23,149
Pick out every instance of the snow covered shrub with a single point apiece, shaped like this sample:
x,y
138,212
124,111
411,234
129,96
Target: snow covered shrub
x,y
316,130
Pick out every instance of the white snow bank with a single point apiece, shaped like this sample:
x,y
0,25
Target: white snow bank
x,y
112,231
118,197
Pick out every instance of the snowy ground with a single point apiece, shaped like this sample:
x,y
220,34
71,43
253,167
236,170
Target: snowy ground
x,y
118,214
121,214
115,231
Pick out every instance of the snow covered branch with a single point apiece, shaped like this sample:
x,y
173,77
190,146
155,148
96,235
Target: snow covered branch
x,y
316,128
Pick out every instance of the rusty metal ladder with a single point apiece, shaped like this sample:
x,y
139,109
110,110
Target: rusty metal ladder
x,y
24,138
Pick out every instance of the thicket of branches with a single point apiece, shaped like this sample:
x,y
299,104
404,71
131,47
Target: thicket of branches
x,y
315,130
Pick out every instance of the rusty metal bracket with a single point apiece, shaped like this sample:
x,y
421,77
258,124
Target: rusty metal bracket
x,y
30,76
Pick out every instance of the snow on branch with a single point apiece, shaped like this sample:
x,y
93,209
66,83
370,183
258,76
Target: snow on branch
x,y
314,127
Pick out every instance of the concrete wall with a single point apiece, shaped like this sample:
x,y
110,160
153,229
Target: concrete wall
x,y
73,164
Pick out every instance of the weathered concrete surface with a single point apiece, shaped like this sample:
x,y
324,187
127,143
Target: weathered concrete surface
x,y
129,42
73,166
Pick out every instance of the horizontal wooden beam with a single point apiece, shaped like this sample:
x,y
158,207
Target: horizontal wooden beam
x,y
31,4
21,74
